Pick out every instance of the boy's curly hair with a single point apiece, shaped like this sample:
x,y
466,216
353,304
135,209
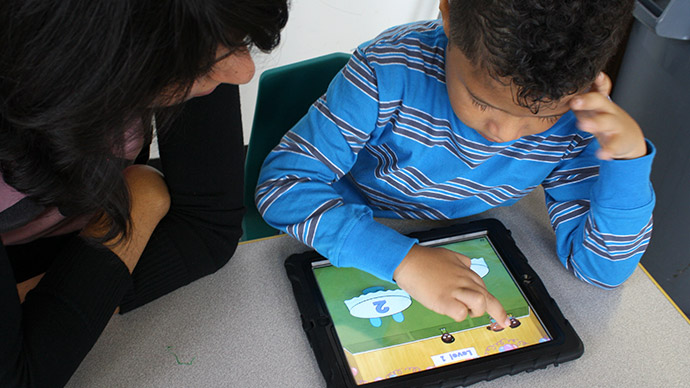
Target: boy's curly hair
x,y
547,49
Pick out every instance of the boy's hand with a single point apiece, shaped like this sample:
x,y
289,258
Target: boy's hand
x,y
442,281
619,135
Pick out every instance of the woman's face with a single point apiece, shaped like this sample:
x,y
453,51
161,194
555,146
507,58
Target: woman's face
x,y
236,68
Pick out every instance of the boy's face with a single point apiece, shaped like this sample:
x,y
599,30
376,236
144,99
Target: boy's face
x,y
489,106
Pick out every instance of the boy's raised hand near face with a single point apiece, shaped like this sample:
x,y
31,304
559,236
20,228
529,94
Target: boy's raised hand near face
x,y
619,135
442,281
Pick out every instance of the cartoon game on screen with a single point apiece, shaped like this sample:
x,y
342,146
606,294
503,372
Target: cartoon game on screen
x,y
385,333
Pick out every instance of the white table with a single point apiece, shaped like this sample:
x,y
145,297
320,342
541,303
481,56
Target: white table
x,y
240,326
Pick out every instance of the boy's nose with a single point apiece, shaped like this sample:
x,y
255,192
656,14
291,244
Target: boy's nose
x,y
504,130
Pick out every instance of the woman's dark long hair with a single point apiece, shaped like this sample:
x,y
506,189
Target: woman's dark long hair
x,y
75,74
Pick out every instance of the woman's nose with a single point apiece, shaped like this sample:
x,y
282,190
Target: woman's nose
x,y
237,68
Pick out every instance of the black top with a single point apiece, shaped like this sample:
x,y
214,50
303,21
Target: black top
x,y
43,340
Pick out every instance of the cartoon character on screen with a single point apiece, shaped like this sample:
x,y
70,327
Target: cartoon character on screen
x,y
479,267
446,336
493,326
377,302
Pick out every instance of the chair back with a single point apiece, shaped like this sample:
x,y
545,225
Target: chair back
x,y
284,96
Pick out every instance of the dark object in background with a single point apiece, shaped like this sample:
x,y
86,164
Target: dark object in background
x,y
653,85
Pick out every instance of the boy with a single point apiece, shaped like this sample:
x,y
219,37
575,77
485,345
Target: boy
x,y
445,119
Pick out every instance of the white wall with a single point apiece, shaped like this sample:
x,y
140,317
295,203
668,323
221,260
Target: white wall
x,y
318,27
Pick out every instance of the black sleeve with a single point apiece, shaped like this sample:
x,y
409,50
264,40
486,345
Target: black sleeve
x,y
202,158
44,339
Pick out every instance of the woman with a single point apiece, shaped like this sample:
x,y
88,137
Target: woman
x,y
85,228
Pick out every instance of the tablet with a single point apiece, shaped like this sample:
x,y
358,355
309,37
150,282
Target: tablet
x,y
368,332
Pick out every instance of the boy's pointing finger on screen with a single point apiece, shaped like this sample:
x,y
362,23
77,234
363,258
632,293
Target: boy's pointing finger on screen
x,y
443,282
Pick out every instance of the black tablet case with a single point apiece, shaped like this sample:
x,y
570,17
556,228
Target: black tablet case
x,y
317,324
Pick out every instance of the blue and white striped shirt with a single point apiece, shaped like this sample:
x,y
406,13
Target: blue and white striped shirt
x,y
384,141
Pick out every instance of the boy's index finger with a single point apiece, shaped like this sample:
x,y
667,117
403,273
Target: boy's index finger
x,y
496,311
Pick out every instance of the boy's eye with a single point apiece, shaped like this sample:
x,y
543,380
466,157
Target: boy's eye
x,y
484,107
479,105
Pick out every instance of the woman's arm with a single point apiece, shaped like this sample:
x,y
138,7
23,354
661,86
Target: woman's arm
x,y
44,339
202,157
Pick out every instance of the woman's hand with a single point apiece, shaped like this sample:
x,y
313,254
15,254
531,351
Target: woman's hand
x,y
443,282
149,203
27,285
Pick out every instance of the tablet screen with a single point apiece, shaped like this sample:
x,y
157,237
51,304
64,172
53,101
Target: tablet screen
x,y
384,333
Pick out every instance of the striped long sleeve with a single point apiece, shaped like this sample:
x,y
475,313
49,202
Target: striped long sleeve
x,y
384,141
297,186
601,236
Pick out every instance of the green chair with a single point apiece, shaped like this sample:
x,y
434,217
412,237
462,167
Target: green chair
x,y
285,94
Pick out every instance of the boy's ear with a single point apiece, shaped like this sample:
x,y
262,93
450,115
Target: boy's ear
x,y
445,16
